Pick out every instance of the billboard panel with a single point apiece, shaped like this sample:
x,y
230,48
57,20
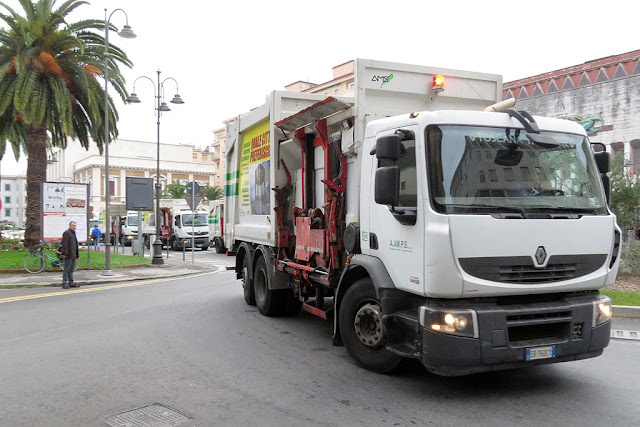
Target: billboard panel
x,y
61,204
255,170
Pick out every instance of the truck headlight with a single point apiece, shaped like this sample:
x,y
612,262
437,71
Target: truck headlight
x,y
601,311
453,322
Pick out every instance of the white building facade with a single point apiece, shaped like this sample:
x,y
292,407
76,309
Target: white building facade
x,y
13,193
128,158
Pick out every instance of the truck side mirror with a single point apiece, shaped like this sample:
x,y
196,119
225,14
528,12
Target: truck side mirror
x,y
389,147
606,183
387,186
603,160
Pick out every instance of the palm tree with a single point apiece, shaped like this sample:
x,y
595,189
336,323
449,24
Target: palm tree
x,y
212,193
49,88
174,191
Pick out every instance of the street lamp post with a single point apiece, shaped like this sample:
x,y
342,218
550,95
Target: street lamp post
x,y
160,107
126,33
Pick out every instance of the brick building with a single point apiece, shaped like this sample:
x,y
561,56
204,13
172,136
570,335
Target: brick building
x,y
607,87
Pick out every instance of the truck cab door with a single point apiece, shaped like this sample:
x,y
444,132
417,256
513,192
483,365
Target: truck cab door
x,y
396,233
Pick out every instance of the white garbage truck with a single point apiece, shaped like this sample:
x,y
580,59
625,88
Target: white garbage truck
x,y
216,225
425,219
180,226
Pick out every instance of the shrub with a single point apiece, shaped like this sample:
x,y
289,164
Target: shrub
x,y
630,262
11,245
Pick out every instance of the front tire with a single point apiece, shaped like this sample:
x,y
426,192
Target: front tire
x,y
270,302
362,329
33,263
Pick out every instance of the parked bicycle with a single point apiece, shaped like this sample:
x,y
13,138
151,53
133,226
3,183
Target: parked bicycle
x,y
36,261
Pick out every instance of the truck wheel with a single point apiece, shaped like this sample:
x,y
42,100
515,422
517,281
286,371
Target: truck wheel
x,y
247,285
147,242
204,248
270,302
174,244
362,329
219,245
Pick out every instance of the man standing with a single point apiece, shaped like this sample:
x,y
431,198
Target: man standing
x,y
70,254
95,236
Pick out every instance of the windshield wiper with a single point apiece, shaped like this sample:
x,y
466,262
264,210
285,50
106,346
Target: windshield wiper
x,y
484,206
566,209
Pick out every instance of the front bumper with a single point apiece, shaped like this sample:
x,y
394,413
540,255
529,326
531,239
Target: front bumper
x,y
507,330
199,242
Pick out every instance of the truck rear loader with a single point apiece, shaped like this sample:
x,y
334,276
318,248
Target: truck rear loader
x,y
421,225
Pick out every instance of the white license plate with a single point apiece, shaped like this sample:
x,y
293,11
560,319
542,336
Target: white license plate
x,y
541,353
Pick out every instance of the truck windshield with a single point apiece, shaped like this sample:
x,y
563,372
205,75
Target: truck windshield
x,y
132,220
200,220
475,169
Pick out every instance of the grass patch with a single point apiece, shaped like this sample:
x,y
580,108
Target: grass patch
x,y
13,260
622,297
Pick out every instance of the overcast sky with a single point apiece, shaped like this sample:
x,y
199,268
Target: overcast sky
x,y
227,56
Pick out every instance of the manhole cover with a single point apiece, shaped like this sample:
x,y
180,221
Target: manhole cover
x,y
155,415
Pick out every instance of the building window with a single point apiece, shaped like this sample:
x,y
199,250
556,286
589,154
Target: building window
x,y
7,199
482,178
493,175
508,174
112,188
7,212
7,187
635,153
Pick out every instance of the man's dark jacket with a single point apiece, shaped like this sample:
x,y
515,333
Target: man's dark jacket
x,y
69,245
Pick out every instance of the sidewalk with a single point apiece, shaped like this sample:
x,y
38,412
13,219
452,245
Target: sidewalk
x,y
93,277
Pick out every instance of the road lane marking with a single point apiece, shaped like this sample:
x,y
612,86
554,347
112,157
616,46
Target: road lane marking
x,y
102,288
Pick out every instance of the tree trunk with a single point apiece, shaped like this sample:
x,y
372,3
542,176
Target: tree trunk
x,y
36,175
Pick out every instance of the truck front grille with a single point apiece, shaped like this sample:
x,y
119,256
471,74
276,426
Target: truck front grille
x,y
526,273
520,269
537,334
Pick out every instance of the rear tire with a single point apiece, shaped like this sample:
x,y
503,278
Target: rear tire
x,y
270,302
219,245
33,263
362,329
247,284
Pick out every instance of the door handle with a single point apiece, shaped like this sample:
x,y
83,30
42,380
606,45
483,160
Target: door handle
x,y
373,241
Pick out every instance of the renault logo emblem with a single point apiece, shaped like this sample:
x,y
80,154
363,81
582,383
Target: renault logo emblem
x,y
541,255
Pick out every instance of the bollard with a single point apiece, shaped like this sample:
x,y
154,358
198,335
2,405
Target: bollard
x,y
184,245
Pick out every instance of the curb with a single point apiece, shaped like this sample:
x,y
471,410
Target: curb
x,y
626,311
54,270
109,279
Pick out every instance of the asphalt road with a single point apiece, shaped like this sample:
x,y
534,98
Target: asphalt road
x,y
79,357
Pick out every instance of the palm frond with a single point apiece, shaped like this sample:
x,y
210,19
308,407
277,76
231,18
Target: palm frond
x,y
25,85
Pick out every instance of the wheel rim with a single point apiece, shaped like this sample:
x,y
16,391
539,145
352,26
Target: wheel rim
x,y
368,325
245,279
261,285
33,264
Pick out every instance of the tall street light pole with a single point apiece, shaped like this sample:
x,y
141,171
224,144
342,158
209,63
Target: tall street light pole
x,y
160,107
126,33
